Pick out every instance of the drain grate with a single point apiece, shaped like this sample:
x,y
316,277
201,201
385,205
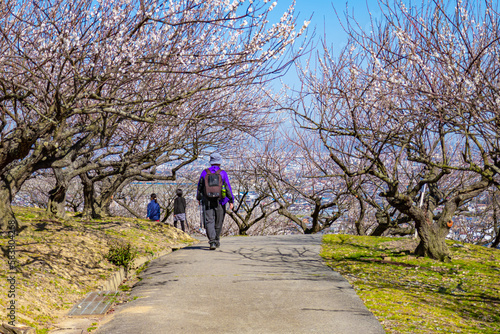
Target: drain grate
x,y
94,303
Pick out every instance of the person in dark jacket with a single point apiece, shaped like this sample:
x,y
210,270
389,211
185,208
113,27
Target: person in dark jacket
x,y
214,210
153,209
179,209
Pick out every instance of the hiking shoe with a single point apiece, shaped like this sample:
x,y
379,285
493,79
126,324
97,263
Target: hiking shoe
x,y
212,246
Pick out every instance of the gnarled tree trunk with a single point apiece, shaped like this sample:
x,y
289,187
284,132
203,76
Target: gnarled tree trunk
x,y
88,197
56,205
102,206
387,225
433,240
10,183
6,213
432,233
360,228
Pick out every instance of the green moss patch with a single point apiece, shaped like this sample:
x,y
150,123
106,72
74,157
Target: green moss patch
x,y
419,295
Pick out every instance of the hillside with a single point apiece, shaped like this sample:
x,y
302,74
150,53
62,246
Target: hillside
x,y
61,261
419,295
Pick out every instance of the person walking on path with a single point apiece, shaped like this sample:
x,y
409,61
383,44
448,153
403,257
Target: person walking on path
x,y
180,210
214,192
153,209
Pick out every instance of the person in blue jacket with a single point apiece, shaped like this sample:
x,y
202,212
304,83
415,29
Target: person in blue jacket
x,y
214,210
153,209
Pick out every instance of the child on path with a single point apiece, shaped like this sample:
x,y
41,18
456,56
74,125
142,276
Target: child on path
x,y
153,209
180,210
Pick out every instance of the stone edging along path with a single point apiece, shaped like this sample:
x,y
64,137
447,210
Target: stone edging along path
x,y
79,324
119,276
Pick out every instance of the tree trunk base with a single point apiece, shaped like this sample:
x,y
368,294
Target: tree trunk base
x,y
8,221
434,248
496,242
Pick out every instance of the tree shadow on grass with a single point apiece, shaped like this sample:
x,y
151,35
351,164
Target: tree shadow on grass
x,y
437,286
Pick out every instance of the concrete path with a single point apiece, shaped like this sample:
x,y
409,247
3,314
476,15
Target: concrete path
x,y
275,284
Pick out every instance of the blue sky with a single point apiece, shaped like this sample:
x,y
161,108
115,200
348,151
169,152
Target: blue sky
x,y
325,22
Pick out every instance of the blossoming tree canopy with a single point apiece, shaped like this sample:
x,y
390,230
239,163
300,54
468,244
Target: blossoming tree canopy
x,y
69,69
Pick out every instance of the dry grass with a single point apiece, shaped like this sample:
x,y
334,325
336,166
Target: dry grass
x,y
60,261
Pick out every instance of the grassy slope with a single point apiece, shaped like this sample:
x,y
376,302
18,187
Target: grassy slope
x,y
420,295
60,261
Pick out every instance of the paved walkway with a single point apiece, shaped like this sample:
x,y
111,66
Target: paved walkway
x,y
275,284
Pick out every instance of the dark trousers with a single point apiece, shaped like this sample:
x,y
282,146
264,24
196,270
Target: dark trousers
x,y
214,214
182,224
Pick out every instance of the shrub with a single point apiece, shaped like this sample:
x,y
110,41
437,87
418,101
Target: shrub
x,y
121,254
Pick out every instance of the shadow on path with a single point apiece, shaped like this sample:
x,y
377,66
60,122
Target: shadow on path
x,y
275,284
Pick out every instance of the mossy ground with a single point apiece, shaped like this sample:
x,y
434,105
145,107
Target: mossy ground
x,y
419,295
59,261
